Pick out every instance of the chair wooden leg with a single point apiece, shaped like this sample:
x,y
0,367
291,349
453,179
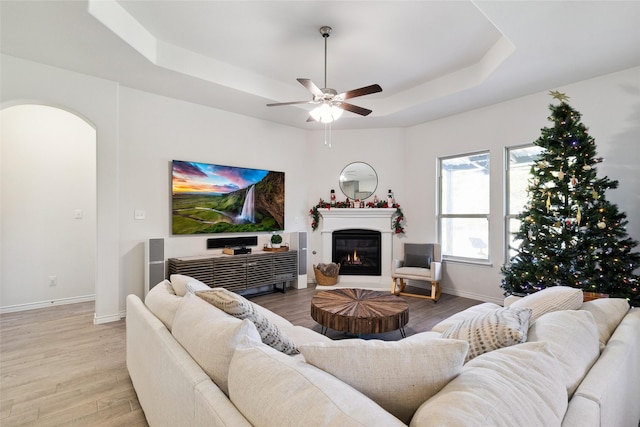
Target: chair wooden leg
x,y
402,284
435,291
398,289
395,288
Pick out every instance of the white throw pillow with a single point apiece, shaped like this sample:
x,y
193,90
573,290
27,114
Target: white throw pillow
x,y
502,327
163,302
180,281
275,390
553,298
399,376
514,386
196,285
607,312
211,336
468,313
572,336
238,306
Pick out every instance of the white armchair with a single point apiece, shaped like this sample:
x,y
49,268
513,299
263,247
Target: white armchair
x,y
422,261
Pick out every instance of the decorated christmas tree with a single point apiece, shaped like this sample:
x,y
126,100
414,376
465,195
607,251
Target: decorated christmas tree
x,y
570,234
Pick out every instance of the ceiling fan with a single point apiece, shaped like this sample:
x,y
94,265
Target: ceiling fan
x,y
330,103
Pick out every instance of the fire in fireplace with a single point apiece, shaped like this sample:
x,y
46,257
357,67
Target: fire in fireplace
x,y
357,251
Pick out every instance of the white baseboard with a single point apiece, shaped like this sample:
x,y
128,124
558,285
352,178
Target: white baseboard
x,y
98,320
471,295
44,304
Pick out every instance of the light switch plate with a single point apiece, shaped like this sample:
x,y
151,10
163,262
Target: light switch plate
x,y
139,214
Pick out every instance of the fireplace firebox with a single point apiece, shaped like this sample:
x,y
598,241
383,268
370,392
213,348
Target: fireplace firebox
x,y
357,251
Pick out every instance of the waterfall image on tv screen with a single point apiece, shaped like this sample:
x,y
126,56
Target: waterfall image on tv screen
x,y
208,198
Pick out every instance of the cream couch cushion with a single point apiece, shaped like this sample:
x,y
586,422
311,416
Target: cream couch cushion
x,y
469,313
553,298
613,382
211,336
513,386
399,376
572,338
502,327
163,302
272,389
238,306
301,335
195,286
607,312
180,282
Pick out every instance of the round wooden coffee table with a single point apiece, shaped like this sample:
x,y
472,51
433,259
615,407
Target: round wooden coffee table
x,y
359,311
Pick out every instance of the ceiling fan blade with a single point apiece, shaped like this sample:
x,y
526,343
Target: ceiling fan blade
x,y
360,92
311,87
354,109
290,103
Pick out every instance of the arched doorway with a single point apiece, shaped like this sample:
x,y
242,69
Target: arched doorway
x,y
48,207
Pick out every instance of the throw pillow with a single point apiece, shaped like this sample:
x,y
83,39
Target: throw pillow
x,y
399,376
180,281
469,313
196,285
550,299
163,302
502,327
607,312
414,260
514,386
573,339
211,336
274,390
238,306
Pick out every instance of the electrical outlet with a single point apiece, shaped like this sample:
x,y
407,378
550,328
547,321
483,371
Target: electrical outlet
x,y
53,280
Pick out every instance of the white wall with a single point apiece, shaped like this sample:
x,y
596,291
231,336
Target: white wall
x,y
610,108
155,130
383,149
25,82
48,174
139,133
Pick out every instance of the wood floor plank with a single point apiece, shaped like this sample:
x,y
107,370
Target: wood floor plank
x,y
59,369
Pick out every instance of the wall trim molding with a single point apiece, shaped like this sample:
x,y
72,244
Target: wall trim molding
x,y
44,304
99,320
472,295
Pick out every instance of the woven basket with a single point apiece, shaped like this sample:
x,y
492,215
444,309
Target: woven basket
x,y
323,280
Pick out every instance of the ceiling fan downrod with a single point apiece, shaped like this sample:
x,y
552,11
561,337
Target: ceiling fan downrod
x,y
329,103
326,32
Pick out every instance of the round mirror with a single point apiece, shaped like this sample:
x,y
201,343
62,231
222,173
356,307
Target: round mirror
x,y
358,180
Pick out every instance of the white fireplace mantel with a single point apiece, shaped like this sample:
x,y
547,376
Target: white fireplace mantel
x,y
377,219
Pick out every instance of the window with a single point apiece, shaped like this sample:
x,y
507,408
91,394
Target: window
x,y
518,165
463,208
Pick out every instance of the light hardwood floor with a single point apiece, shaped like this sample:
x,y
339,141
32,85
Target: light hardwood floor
x,y
59,369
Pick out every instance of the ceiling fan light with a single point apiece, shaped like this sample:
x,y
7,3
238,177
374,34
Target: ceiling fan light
x,y
326,113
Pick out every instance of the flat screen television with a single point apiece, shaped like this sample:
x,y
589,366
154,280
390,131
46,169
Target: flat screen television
x,y
209,198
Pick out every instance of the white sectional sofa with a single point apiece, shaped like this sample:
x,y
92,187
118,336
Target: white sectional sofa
x,y
561,362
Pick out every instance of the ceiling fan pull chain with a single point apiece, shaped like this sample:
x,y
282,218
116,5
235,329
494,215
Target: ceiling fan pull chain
x,y
327,140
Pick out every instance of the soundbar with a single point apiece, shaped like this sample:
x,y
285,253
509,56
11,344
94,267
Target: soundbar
x,y
223,242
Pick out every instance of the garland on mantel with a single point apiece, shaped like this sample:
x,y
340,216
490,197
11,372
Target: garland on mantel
x,y
397,219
